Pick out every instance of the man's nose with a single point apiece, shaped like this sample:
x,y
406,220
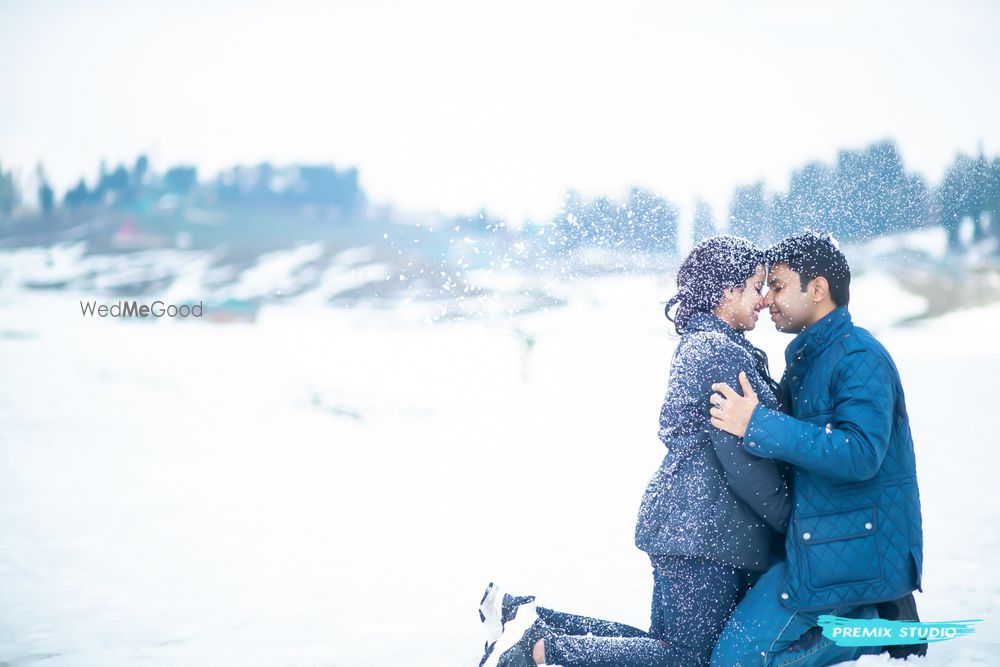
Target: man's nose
x,y
768,299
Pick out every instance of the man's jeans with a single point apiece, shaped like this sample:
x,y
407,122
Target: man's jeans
x,y
763,632
692,598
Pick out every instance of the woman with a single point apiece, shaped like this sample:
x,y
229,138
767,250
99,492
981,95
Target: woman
x,y
711,512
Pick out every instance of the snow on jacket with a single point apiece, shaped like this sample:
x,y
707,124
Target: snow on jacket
x,y
855,535
710,498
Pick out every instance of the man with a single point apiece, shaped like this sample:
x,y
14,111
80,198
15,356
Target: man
x,y
854,544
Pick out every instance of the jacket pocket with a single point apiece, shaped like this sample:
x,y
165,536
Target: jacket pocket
x,y
840,547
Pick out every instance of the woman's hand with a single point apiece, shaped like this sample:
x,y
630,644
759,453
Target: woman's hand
x,y
731,412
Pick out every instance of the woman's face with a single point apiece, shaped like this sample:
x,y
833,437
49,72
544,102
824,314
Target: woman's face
x,y
740,305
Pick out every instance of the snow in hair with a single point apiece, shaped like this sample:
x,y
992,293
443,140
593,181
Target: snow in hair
x,y
713,266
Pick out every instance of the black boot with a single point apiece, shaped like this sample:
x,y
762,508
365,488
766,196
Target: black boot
x,y
506,610
496,610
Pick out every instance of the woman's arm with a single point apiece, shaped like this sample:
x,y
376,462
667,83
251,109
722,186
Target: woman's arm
x,y
761,487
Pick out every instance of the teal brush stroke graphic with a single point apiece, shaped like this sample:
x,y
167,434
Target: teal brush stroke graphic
x,y
878,632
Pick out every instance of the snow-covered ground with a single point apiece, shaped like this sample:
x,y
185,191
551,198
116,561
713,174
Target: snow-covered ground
x,y
336,486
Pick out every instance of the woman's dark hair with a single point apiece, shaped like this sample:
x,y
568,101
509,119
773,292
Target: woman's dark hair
x,y
713,266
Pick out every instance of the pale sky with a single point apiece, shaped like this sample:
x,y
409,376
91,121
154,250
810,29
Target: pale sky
x,y
452,105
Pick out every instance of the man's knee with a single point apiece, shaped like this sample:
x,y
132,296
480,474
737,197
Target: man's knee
x,y
734,649
753,632
728,657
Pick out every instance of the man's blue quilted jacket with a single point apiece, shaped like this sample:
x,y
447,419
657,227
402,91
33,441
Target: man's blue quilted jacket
x,y
855,536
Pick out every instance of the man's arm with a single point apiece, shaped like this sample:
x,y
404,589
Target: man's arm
x,y
854,445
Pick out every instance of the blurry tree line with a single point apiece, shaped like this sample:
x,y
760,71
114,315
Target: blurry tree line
x,y
642,222
862,194
867,193
178,186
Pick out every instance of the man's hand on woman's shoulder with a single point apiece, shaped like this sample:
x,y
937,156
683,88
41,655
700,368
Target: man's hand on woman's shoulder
x,y
730,411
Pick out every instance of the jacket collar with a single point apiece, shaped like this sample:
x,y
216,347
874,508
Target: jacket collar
x,y
817,336
709,322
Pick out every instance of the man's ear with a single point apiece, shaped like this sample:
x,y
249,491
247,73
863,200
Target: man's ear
x,y
818,289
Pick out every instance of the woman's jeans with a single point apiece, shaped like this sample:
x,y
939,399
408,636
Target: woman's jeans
x,y
692,600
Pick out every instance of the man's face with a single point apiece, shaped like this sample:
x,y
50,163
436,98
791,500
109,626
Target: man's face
x,y
790,305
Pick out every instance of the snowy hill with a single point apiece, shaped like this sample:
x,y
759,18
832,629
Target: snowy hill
x,y
336,485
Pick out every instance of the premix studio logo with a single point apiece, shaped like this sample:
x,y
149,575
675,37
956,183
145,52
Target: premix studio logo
x,y
878,632
135,309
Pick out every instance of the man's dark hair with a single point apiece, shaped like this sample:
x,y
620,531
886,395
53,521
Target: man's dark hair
x,y
812,254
